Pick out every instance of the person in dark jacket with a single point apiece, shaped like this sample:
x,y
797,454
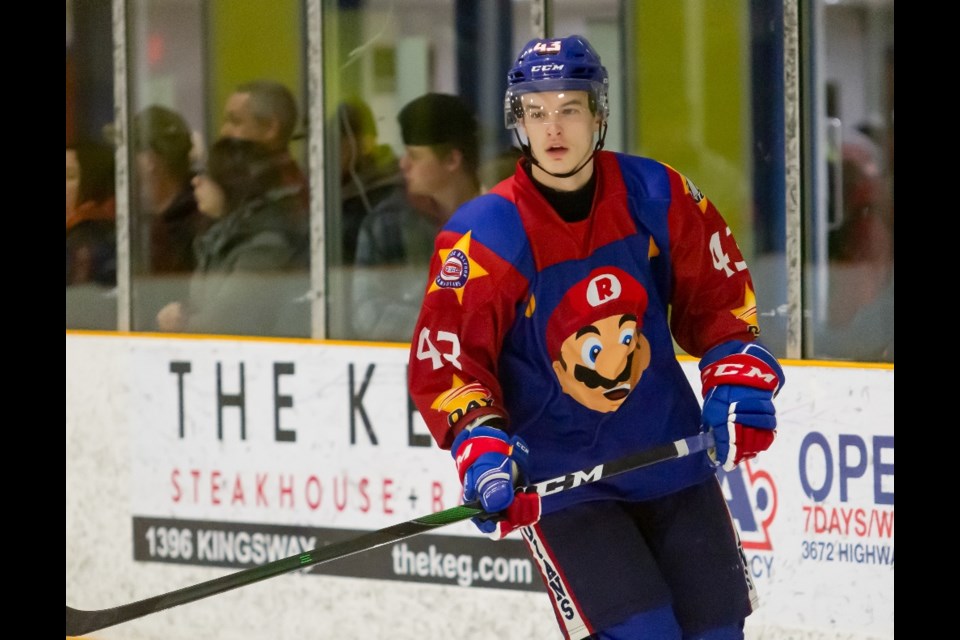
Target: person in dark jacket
x,y
91,215
265,111
395,243
170,217
371,183
254,244
165,219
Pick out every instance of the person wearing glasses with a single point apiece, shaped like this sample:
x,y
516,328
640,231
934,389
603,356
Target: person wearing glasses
x,y
244,256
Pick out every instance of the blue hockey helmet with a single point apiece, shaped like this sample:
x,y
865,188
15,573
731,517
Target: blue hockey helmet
x,y
556,64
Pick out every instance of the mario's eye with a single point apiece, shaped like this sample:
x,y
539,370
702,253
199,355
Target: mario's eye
x,y
590,351
535,114
626,337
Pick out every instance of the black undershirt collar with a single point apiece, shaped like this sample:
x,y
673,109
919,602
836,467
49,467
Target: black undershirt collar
x,y
572,206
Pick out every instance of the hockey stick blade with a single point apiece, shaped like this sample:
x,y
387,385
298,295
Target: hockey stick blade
x,y
80,622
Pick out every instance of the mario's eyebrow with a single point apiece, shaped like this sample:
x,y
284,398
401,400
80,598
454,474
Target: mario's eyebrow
x,y
627,317
587,329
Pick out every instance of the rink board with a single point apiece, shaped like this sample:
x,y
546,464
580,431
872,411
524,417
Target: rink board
x,y
188,458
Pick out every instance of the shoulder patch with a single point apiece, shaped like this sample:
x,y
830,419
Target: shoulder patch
x,y
457,268
692,189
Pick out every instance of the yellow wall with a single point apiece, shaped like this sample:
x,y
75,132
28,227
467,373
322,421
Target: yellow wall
x,y
691,85
253,39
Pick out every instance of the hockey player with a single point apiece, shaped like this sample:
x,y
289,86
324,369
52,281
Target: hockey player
x,y
545,344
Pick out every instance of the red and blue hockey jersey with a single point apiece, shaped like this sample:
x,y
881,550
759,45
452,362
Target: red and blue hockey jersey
x,y
566,329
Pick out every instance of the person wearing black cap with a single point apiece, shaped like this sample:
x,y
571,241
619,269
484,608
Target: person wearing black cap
x,y
392,229
440,168
441,161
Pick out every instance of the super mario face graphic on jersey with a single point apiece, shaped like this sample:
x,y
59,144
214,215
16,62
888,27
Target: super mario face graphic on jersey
x,y
594,339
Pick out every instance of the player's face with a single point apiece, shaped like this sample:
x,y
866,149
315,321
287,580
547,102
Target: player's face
x,y
239,121
561,129
601,363
424,172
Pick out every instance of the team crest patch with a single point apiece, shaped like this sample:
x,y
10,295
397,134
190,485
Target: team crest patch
x,y
455,270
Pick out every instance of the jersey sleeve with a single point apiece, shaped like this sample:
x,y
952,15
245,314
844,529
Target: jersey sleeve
x,y
712,293
470,302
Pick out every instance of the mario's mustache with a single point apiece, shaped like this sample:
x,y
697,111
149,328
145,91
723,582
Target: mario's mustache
x,y
592,379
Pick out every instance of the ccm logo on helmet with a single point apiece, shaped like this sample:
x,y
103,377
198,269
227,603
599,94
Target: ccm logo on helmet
x,y
546,67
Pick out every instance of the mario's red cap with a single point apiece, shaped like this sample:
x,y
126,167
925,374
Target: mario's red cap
x,y
606,292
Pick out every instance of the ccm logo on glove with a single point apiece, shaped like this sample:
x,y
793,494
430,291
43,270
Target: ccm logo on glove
x,y
743,369
740,381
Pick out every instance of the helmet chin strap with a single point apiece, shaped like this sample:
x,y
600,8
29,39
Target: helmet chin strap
x,y
528,154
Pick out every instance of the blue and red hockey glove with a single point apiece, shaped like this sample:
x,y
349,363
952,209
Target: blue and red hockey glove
x,y
491,464
740,381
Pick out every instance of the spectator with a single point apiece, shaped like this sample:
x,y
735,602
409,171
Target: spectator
x,y
859,323
265,111
442,157
395,244
371,185
162,144
252,244
91,215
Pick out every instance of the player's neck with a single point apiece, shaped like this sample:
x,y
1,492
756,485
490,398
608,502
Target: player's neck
x,y
572,183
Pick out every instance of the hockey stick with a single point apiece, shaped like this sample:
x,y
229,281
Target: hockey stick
x,y
80,622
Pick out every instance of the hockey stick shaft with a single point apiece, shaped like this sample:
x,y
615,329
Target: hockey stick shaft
x,y
80,622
